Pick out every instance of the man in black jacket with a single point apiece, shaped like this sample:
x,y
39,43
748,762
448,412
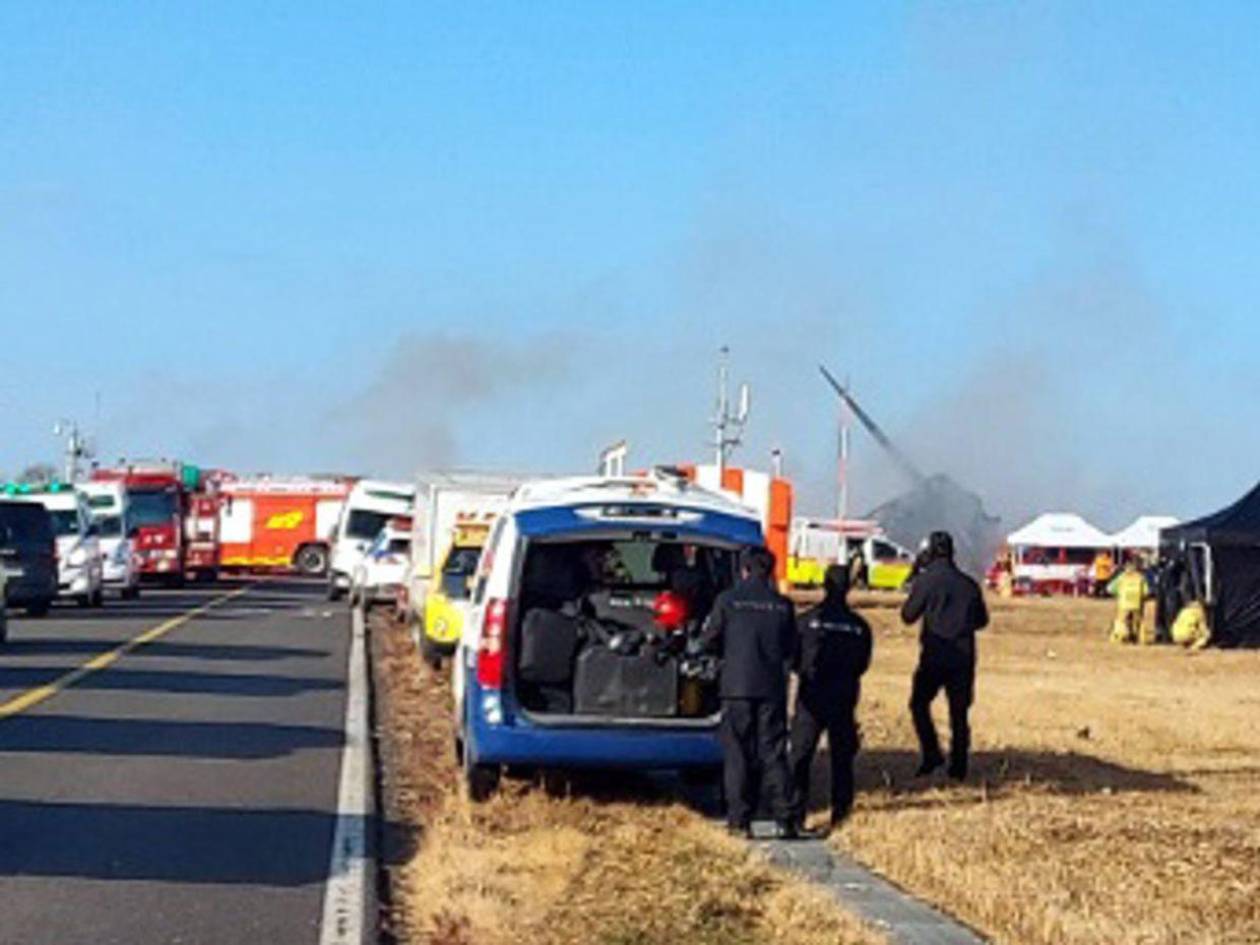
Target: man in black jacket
x,y
952,608
753,626
833,652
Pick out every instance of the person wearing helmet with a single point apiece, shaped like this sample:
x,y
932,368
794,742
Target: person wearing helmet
x,y
952,609
832,653
753,627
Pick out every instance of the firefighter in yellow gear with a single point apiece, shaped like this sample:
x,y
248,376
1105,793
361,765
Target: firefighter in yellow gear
x,y
1191,629
1131,591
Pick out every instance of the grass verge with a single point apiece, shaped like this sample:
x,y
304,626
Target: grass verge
x,y
1115,794
605,864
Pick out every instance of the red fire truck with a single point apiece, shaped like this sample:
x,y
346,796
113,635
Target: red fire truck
x,y
156,508
271,523
201,531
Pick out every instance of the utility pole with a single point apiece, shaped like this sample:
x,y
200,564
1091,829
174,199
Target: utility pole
x,y
842,472
728,427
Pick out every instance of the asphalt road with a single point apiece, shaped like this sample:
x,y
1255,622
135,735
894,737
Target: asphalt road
x,y
184,793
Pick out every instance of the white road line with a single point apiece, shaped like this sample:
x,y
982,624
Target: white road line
x,y
348,886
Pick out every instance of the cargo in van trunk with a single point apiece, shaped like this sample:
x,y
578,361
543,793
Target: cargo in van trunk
x,y
608,629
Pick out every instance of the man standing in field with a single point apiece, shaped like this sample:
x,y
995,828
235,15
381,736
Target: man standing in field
x,y
753,626
833,652
952,609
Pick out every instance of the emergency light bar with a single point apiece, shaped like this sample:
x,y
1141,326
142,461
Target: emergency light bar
x,y
25,488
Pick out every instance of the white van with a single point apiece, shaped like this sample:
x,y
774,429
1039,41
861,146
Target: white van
x,y
368,509
107,503
79,571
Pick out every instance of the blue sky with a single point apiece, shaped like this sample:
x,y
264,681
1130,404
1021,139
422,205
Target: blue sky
x,y
312,236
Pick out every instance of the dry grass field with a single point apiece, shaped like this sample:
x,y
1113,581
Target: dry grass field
x,y
612,863
1115,795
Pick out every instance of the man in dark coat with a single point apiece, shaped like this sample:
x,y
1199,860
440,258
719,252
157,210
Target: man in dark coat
x,y
952,609
753,627
833,652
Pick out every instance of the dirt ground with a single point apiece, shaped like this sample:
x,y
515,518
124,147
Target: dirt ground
x,y
1115,793
616,861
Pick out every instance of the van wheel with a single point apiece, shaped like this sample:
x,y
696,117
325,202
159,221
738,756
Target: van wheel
x,y
480,781
311,560
555,783
429,653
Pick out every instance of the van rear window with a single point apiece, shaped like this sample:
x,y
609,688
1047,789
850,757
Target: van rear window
x,y
21,523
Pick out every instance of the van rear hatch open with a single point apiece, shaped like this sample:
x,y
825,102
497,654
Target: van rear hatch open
x,y
608,606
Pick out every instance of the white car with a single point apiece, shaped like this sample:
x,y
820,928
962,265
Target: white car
x,y
369,508
108,504
80,572
380,572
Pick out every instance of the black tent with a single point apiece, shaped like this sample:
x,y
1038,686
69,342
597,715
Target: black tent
x,y
1225,548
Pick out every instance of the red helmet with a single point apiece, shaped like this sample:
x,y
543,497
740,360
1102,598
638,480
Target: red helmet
x,y
669,610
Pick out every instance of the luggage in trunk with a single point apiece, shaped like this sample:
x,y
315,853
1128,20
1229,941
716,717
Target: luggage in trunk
x,y
614,685
549,642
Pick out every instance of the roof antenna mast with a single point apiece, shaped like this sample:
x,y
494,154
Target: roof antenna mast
x,y
728,426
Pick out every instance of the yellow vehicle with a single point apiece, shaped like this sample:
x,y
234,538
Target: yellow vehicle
x,y
446,603
874,561
888,565
454,514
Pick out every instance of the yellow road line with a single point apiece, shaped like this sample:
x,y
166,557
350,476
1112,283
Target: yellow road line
x,y
33,697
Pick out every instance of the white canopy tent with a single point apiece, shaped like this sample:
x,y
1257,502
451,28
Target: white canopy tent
x,y
1059,530
1143,533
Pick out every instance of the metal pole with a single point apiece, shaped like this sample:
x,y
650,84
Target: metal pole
x,y
842,504
723,408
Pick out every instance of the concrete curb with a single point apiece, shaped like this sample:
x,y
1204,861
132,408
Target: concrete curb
x,y
349,913
903,918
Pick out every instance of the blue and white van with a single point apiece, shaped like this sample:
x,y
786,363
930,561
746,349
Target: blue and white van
x,y
579,650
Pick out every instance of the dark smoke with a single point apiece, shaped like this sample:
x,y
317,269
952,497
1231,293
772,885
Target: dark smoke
x,y
939,503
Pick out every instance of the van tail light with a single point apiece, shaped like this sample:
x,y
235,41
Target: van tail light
x,y
492,646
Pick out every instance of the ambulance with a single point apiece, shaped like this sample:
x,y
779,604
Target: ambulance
x,y
368,508
107,503
816,544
